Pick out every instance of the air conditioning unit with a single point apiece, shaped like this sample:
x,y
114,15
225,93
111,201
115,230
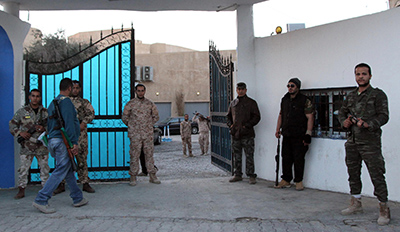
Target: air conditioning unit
x,y
147,73
138,73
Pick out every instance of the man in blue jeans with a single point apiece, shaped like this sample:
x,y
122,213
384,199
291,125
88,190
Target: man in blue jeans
x,y
58,150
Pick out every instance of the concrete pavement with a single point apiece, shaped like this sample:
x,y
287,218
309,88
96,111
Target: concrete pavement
x,y
192,203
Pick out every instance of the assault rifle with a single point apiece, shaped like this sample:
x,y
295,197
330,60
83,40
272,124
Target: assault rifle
x,y
278,149
65,137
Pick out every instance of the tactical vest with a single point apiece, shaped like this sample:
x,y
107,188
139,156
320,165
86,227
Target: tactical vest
x,y
294,120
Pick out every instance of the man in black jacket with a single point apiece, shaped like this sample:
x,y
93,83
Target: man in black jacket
x,y
295,123
243,115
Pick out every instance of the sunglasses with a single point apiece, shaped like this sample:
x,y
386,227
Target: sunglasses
x,y
291,85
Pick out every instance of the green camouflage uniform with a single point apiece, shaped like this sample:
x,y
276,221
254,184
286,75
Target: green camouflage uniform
x,y
24,119
186,136
140,115
365,143
85,114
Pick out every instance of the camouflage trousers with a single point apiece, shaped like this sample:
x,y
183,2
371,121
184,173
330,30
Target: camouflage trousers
x,y
83,173
187,141
373,159
135,149
246,144
26,161
204,140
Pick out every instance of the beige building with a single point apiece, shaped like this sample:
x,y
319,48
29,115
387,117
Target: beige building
x,y
176,78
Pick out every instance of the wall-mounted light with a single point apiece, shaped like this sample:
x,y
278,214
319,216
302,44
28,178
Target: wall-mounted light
x,y
157,93
198,93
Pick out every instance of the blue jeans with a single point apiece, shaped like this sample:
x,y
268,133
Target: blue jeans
x,y
62,171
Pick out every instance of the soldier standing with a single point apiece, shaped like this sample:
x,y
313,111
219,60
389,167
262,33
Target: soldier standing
x,y
140,114
186,135
204,128
26,125
295,122
243,115
363,113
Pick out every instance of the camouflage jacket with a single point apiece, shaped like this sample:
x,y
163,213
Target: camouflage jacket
x,y
84,110
140,115
371,106
204,125
23,120
186,129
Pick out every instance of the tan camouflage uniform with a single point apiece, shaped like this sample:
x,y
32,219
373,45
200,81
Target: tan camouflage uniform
x,y
140,115
24,119
85,113
204,137
186,135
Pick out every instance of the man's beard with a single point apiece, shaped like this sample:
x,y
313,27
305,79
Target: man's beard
x,y
364,85
139,97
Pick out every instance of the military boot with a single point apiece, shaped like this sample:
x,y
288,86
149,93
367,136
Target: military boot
x,y
132,181
236,178
299,186
252,180
59,189
20,194
283,184
384,214
355,207
153,179
88,188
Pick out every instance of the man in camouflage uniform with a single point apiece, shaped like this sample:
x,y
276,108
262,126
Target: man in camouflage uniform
x,y
85,113
295,123
204,128
243,115
186,135
363,113
140,114
26,125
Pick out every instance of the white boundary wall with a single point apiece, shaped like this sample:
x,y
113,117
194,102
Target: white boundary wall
x,y
322,57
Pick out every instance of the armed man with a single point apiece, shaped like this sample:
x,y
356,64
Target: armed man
x,y
363,113
26,125
85,113
63,134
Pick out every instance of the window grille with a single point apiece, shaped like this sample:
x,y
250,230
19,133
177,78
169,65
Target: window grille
x,y
327,103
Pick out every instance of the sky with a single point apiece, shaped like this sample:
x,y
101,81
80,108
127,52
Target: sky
x,y
194,30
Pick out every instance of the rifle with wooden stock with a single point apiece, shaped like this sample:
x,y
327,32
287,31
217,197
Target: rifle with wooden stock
x,y
65,137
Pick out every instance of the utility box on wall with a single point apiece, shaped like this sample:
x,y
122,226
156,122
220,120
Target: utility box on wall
x,y
147,73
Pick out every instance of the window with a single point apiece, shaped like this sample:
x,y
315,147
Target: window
x,y
327,103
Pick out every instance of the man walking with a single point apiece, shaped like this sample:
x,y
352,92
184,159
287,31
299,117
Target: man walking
x,y
26,125
140,114
85,113
59,151
295,123
243,115
363,113
204,135
186,135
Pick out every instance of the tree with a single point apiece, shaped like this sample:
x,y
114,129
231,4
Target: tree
x,y
51,48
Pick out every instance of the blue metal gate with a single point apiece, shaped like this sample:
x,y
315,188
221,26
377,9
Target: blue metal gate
x,y
221,70
106,72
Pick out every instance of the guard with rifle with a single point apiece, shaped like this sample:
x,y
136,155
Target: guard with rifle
x,y
26,125
295,123
63,134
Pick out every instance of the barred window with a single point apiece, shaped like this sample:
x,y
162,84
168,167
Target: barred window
x,y
327,103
